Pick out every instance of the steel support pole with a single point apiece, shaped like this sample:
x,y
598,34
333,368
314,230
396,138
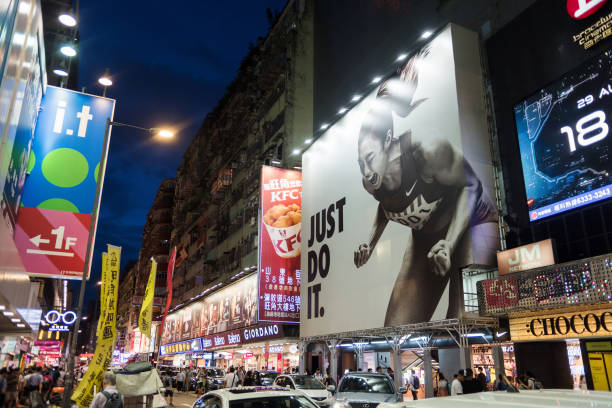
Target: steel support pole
x,y
498,359
333,359
66,403
397,362
359,354
429,390
302,347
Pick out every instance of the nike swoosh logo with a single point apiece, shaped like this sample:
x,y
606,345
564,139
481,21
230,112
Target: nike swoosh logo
x,y
411,188
498,334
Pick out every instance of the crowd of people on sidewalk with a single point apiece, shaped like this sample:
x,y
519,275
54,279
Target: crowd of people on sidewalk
x,y
34,386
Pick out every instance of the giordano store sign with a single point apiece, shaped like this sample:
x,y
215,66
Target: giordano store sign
x,y
578,324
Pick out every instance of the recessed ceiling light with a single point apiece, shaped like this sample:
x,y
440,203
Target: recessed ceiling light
x,y
355,98
308,141
2,307
376,79
324,126
342,111
7,313
426,34
15,320
296,151
21,325
402,57
60,72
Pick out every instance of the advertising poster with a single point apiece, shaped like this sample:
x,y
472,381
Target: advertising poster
x,y
397,196
232,307
563,138
55,217
280,233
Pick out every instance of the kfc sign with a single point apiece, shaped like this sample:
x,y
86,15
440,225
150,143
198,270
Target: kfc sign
x,y
580,9
526,257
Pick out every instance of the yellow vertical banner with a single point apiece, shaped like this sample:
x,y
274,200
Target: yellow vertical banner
x,y
103,285
146,311
107,332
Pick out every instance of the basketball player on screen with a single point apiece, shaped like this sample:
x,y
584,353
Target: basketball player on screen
x,y
423,183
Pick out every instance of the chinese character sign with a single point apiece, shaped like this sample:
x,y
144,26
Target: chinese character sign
x,y
280,233
54,221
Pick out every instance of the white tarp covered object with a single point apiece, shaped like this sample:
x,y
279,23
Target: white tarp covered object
x,y
138,382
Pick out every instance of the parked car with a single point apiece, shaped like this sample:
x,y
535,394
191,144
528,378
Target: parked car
x,y
522,399
254,397
307,384
265,377
215,378
366,390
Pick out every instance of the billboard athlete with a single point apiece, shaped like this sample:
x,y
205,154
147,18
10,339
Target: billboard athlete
x,y
423,183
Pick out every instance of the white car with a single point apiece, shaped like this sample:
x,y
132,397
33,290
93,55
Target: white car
x,y
308,385
522,399
255,397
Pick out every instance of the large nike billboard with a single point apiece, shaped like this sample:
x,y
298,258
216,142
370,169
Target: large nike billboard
x,y
397,196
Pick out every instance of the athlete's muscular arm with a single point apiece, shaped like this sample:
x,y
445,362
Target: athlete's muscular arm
x,y
364,251
442,163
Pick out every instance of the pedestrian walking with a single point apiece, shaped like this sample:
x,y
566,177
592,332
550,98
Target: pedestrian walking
x,y
456,387
12,384
318,375
231,379
442,385
180,380
109,397
482,379
414,384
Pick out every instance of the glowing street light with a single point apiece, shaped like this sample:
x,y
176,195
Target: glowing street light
x,y
105,81
68,51
165,133
67,19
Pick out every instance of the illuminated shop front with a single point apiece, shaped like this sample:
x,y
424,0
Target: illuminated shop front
x,y
560,321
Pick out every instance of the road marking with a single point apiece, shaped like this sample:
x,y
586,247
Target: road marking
x,y
56,253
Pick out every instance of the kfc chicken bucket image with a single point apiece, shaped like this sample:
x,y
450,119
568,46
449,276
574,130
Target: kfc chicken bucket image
x,y
284,226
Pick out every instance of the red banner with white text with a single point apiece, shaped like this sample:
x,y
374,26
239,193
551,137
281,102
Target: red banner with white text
x,y
280,231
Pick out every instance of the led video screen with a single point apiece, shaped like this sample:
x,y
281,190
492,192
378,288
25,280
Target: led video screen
x,y
563,139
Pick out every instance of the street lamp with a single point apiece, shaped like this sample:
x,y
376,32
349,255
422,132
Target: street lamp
x,y
68,50
165,133
67,19
106,81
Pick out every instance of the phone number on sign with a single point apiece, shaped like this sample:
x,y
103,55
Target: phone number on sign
x,y
597,195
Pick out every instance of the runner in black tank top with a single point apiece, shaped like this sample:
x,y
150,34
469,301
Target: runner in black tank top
x,y
428,186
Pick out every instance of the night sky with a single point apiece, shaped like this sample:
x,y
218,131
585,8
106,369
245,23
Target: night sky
x,y
170,64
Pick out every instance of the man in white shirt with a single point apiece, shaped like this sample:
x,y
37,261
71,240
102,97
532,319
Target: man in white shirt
x,y
456,387
231,379
180,380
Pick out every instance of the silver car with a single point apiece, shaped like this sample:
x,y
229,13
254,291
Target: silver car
x,y
366,390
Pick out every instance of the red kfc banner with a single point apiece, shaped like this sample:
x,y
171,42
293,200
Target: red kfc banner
x,y
280,233
169,277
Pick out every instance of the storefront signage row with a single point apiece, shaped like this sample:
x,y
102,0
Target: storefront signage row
x,y
248,335
252,334
594,323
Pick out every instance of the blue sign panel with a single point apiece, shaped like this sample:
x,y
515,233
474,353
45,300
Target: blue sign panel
x,y
66,151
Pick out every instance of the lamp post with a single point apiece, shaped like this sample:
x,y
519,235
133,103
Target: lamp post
x,y
164,133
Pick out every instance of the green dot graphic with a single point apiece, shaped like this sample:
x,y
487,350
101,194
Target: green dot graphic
x,y
96,172
58,204
65,167
31,161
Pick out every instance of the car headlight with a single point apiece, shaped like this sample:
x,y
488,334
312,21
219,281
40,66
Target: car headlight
x,y
341,404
